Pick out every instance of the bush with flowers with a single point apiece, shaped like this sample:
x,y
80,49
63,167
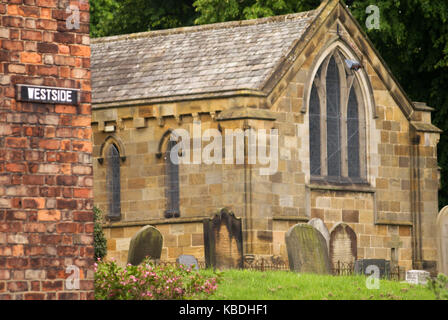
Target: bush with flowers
x,y
149,281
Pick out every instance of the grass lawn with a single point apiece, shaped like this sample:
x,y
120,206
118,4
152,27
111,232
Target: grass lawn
x,y
284,285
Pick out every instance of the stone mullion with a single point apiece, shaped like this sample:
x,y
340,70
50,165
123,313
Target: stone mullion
x,y
345,91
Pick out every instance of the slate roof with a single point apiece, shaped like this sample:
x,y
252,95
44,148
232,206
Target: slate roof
x,y
193,60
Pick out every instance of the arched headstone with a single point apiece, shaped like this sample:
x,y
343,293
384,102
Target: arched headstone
x,y
223,241
147,242
322,228
343,244
307,249
442,225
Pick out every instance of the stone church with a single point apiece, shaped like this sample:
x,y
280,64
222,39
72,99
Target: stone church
x,y
353,149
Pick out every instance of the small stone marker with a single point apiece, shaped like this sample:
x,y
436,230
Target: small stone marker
x,y
382,266
322,228
417,277
307,249
146,242
188,260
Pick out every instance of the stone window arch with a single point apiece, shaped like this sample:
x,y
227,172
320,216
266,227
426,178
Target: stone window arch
x,y
337,123
172,192
113,181
112,155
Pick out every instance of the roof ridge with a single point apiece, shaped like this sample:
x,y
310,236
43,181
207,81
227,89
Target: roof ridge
x,y
205,27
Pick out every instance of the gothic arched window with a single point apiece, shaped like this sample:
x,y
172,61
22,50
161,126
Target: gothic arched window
x,y
113,182
337,123
172,181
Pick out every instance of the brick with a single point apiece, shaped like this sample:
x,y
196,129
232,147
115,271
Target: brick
x,y
16,68
31,35
34,296
80,50
5,275
85,193
52,285
66,204
49,144
64,37
12,45
43,47
49,215
16,22
35,203
17,286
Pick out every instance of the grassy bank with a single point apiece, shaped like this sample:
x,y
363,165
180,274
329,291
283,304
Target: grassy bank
x,y
283,285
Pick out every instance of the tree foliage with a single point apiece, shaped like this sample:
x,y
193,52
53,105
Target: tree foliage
x,y
412,39
99,241
112,17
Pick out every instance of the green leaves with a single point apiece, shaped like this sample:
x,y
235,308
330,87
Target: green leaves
x,y
112,17
99,242
439,286
150,281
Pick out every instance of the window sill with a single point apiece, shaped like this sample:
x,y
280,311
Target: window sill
x,y
323,183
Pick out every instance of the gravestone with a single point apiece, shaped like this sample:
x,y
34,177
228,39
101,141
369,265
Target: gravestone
x,y
380,265
343,244
188,260
442,225
322,228
223,241
147,242
307,249
394,244
417,277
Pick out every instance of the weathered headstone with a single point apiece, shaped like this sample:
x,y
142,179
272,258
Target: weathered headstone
x,y
379,267
442,225
147,242
394,244
322,228
343,244
307,250
417,277
188,260
223,241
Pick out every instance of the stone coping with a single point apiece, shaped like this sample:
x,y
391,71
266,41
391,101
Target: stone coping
x,y
290,218
350,188
394,223
122,224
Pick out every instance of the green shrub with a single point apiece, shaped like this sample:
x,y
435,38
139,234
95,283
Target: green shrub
x,y
439,286
149,281
100,242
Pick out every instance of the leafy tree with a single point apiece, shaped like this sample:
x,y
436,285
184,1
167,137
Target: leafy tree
x,y
112,17
99,241
102,17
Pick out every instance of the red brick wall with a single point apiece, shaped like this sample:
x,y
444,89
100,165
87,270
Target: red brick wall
x,y
46,219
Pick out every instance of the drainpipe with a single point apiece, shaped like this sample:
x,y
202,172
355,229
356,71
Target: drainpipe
x,y
417,256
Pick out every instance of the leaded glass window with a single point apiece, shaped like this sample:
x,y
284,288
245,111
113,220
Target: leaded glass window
x,y
314,132
113,182
172,181
353,136
333,87
336,123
